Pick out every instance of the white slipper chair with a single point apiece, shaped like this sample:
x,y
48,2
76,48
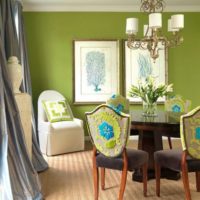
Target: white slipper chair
x,y
58,137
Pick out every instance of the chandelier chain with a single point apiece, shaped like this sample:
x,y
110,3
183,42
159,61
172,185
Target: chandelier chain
x,y
151,6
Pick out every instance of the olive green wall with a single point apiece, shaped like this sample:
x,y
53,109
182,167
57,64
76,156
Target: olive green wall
x,y
49,40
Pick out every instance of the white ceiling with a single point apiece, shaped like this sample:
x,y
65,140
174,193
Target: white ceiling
x,y
105,5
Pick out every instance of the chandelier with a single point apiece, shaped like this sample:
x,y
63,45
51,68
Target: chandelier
x,y
152,31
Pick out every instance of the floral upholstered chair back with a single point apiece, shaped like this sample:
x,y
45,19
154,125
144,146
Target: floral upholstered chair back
x,y
118,103
190,132
108,129
177,104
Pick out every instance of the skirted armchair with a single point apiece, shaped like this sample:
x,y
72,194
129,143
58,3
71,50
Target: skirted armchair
x,y
59,136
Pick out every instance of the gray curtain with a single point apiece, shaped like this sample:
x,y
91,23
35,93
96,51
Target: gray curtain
x,y
18,178
4,173
37,159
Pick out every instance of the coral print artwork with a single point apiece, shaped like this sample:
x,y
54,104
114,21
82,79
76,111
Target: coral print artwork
x,y
139,66
96,71
95,67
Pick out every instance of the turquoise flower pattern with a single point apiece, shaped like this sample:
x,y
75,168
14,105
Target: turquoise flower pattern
x,y
119,108
176,108
198,133
106,130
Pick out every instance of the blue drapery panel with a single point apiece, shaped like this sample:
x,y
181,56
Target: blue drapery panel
x,y
18,178
37,159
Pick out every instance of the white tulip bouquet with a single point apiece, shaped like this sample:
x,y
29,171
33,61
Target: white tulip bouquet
x,y
149,91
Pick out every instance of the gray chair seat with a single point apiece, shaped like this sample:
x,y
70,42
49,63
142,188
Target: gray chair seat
x,y
136,158
172,159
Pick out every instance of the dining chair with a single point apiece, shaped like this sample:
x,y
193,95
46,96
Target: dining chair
x,y
109,132
187,159
177,104
118,103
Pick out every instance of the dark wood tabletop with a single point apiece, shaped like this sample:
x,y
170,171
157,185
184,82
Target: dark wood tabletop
x,y
161,117
164,122
151,130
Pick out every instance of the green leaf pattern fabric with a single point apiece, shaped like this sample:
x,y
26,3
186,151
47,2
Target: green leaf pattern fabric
x,y
177,104
190,132
57,110
106,119
118,103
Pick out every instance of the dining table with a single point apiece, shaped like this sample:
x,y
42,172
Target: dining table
x,y
150,130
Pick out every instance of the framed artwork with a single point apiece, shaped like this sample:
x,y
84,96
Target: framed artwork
x,y
96,70
139,65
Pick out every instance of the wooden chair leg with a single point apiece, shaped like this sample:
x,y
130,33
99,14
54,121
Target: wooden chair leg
x,y
103,178
157,174
170,142
124,175
185,176
198,181
144,171
95,176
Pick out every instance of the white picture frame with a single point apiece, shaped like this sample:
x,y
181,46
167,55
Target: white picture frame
x,y
139,64
96,70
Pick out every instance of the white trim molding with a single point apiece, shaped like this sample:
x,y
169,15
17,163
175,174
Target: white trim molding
x,y
42,6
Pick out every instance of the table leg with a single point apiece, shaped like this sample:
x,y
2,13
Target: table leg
x,y
150,142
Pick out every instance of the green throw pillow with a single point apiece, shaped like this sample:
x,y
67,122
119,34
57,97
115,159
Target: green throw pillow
x,y
57,110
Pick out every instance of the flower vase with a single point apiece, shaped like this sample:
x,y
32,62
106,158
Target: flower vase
x,y
149,109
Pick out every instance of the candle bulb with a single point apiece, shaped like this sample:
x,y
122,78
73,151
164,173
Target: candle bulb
x,y
131,26
155,20
177,21
170,29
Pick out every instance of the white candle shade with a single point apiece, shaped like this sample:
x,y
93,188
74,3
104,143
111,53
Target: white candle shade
x,y
131,25
155,20
177,21
149,33
170,29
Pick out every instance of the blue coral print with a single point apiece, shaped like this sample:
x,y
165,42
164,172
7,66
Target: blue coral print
x,y
95,66
145,68
198,133
176,108
106,130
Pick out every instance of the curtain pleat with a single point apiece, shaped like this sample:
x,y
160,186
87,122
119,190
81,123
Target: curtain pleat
x,y
5,186
37,159
18,177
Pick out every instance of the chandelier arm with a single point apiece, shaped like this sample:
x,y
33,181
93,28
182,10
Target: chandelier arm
x,y
133,43
176,39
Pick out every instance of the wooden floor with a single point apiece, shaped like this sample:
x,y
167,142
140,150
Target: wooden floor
x,y
69,177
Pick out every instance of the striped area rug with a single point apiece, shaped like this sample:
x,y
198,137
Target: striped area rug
x,y
70,178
